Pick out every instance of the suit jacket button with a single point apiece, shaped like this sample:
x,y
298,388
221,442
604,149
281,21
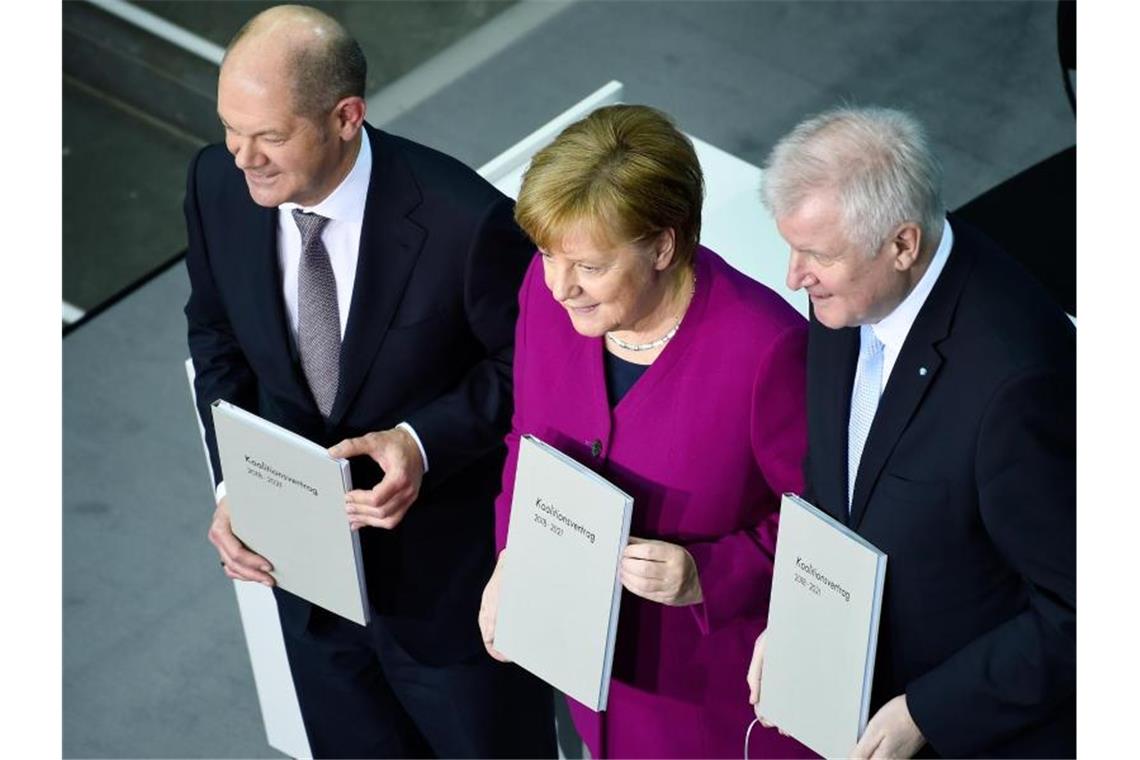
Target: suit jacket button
x,y
596,447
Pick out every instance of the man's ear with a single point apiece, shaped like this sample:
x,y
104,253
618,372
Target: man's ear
x,y
905,245
348,117
664,249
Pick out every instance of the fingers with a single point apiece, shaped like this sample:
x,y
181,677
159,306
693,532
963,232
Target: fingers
x,y
487,626
655,559
644,549
387,514
755,671
350,447
656,570
395,487
647,569
644,579
647,588
863,749
489,612
637,586
246,566
874,736
651,579
387,523
884,750
239,562
755,668
394,450
868,743
765,722
891,733
384,505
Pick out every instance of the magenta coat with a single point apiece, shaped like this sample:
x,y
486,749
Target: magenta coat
x,y
705,442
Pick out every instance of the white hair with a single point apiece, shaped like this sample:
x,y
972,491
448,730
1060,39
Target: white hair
x,y
879,162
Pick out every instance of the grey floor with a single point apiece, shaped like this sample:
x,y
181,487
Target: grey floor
x,y
153,662
136,110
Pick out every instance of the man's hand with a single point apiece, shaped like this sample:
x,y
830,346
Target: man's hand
x,y
890,733
755,670
660,572
489,610
239,562
398,455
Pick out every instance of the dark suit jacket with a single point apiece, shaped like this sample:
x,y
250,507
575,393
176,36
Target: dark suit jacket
x,y
429,340
967,481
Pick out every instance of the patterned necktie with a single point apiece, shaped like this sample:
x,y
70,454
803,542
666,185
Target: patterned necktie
x,y
864,402
318,318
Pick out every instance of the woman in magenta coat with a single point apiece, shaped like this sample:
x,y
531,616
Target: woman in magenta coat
x,y
646,357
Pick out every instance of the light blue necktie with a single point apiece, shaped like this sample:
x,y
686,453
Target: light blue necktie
x,y
864,401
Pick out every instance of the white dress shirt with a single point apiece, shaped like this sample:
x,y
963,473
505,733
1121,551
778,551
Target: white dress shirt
x,y
344,208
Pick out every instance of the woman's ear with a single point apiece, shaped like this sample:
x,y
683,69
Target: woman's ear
x,y
664,249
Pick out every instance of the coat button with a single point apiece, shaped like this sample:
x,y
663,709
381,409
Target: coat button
x,y
596,447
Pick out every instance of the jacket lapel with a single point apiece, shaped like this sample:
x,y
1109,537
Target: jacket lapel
x,y
258,237
915,369
390,243
840,349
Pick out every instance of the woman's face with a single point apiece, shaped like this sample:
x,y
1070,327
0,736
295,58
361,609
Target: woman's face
x,y
607,289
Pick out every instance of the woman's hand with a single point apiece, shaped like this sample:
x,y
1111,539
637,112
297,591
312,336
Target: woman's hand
x,y
660,572
489,610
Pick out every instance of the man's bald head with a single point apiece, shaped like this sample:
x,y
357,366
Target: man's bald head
x,y
321,61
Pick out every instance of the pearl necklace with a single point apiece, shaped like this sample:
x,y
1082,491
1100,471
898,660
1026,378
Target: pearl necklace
x,y
644,346
660,341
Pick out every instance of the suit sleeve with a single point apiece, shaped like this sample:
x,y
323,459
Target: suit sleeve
x,y
809,489
220,367
736,571
463,425
1016,674
510,467
808,492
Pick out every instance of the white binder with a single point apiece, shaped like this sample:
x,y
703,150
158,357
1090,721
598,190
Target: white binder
x,y
823,627
561,585
286,500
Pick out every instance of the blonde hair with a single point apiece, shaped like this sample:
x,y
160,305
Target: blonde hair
x,y
626,170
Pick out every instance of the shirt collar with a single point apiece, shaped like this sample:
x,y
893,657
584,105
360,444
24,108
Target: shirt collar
x,y
346,202
892,329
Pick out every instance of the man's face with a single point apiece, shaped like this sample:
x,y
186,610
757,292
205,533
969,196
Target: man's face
x,y
285,157
602,288
847,286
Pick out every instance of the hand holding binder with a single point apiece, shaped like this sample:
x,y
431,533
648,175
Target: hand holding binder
x,y
660,572
288,500
817,656
489,610
386,503
892,732
239,562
